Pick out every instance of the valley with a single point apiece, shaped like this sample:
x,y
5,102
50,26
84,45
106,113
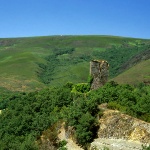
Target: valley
x,y
25,66
46,100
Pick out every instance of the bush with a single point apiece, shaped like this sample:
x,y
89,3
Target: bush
x,y
81,88
145,147
62,145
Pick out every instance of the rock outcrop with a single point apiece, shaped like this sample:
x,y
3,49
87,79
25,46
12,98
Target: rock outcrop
x,y
119,131
67,135
99,73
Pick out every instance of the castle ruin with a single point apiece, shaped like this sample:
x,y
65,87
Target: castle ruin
x,y
99,73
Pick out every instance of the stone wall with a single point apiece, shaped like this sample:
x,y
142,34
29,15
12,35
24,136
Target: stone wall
x,y
99,72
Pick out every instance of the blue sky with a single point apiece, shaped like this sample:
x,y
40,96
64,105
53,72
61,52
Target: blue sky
x,y
23,18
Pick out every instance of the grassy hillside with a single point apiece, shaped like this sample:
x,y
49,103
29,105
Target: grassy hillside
x,y
31,63
137,74
28,64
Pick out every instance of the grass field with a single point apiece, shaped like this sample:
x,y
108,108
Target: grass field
x,y
20,58
136,74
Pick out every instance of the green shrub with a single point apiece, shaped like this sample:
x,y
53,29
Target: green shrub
x,y
81,88
62,145
145,147
90,80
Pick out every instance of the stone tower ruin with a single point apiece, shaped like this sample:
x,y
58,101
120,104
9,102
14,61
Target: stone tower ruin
x,y
99,72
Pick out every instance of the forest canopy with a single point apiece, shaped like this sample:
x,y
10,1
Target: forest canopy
x,y
25,116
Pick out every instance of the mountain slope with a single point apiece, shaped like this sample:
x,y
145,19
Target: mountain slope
x,y
145,55
24,61
139,73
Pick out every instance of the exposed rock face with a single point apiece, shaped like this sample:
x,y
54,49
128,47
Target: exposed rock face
x,y
120,126
99,72
119,131
68,136
56,133
115,144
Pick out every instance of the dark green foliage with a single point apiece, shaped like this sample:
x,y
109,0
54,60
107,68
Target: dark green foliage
x,y
69,85
27,115
126,98
145,147
84,129
81,114
5,97
62,145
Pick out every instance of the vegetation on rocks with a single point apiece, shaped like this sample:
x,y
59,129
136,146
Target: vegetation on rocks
x,y
26,115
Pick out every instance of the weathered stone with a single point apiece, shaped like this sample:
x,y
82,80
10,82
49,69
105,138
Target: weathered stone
x,y
119,131
99,73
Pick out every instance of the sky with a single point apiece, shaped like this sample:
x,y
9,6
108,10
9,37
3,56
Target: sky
x,y
25,18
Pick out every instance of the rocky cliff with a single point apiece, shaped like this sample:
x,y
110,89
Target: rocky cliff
x,y
119,131
67,135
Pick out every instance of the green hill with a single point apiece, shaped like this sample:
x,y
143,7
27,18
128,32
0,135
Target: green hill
x,y
32,63
29,64
139,73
